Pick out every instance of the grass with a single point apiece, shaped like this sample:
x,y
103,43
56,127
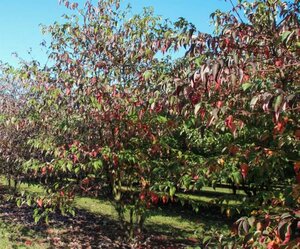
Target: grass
x,y
174,221
167,220
14,236
161,220
96,206
229,201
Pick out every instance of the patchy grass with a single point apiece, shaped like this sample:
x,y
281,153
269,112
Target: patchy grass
x,y
17,236
226,200
96,206
15,232
167,221
158,220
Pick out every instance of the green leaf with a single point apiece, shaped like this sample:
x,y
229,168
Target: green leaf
x,y
206,239
197,108
285,35
246,86
237,178
253,101
278,102
72,212
97,164
285,216
162,119
251,221
29,202
199,61
147,75
37,218
47,219
172,191
77,169
69,166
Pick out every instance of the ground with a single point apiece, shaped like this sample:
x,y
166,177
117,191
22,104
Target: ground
x,y
95,226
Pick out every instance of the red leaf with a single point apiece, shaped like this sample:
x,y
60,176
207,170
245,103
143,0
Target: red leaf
x,y
280,127
218,85
244,169
44,170
75,159
272,245
202,113
233,150
297,168
154,198
74,5
68,91
28,243
297,134
67,3
229,122
142,196
115,160
39,202
85,181
287,235
165,199
219,104
298,178
246,77
278,63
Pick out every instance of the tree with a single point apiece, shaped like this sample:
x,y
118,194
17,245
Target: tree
x,y
115,115
239,92
13,127
98,109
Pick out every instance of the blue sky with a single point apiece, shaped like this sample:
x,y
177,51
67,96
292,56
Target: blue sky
x,y
20,19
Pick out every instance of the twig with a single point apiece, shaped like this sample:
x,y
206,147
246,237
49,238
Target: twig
x,y
236,11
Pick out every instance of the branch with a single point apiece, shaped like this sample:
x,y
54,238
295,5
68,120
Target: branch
x,y
276,68
236,12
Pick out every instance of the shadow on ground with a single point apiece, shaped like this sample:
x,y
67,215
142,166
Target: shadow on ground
x,y
85,230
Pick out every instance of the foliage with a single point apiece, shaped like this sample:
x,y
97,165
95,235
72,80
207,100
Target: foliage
x,y
271,231
239,100
115,115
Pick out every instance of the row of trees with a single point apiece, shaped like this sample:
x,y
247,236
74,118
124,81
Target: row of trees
x,y
115,114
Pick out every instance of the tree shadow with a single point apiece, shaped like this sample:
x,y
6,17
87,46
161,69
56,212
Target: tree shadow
x,y
85,230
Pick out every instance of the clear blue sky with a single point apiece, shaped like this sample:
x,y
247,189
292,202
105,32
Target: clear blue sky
x,y
20,19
